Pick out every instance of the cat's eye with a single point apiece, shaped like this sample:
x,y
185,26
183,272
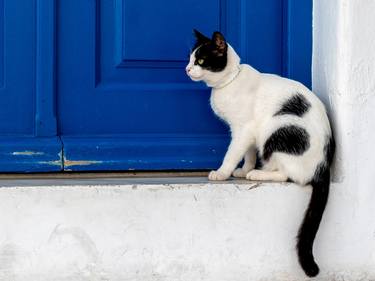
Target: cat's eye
x,y
200,61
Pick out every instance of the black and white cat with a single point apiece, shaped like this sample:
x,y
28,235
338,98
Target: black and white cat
x,y
279,118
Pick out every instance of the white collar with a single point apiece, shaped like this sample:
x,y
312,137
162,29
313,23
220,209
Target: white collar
x,y
232,78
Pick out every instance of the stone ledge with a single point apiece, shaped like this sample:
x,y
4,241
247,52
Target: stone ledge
x,y
123,180
157,229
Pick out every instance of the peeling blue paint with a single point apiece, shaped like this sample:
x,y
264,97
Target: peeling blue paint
x,y
30,154
27,153
69,163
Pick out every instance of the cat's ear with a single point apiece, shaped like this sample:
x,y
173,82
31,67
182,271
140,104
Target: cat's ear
x,y
220,43
201,39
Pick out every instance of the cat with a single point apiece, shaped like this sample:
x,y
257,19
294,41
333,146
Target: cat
x,y
277,118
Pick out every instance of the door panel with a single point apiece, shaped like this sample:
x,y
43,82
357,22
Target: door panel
x,y
17,70
28,141
123,93
124,100
156,31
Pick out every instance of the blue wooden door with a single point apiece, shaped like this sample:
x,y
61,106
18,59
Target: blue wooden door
x,y
100,84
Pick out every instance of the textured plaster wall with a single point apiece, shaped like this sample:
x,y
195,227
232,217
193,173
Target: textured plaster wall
x,y
344,76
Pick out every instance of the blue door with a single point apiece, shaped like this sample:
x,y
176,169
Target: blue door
x,y
100,84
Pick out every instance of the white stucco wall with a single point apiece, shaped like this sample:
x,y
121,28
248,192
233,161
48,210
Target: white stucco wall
x,y
344,76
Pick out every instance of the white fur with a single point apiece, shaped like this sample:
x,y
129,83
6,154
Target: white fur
x,y
247,103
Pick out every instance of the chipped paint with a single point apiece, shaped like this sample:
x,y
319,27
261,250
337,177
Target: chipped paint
x,y
30,154
57,162
52,163
69,163
27,153
62,161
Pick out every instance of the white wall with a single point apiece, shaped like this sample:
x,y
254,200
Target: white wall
x,y
344,76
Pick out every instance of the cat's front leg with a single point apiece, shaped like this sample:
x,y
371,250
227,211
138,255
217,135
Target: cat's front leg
x,y
236,151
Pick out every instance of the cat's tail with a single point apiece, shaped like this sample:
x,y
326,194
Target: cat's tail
x,y
313,216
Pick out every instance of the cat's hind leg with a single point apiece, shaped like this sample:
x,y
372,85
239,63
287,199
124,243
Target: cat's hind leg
x,y
248,165
262,175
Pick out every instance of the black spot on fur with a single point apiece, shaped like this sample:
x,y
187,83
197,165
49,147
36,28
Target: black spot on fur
x,y
212,52
329,149
296,105
289,139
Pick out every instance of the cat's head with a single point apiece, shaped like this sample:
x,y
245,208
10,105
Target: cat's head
x,y
209,56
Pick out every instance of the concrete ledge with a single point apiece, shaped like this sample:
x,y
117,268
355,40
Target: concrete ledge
x,y
166,229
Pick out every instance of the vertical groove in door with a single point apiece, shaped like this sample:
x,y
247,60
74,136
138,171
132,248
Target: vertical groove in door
x,y
45,109
297,40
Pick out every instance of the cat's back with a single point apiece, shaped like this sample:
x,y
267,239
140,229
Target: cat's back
x,y
277,91
282,102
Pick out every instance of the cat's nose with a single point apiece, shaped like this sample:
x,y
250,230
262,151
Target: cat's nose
x,y
188,68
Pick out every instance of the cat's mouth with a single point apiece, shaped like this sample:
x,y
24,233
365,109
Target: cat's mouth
x,y
195,78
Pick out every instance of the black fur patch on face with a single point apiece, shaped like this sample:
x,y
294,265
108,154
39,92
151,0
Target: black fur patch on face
x,y
211,54
289,139
200,39
296,105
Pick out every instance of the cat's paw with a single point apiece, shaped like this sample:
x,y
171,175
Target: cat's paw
x,y
239,173
255,175
217,176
